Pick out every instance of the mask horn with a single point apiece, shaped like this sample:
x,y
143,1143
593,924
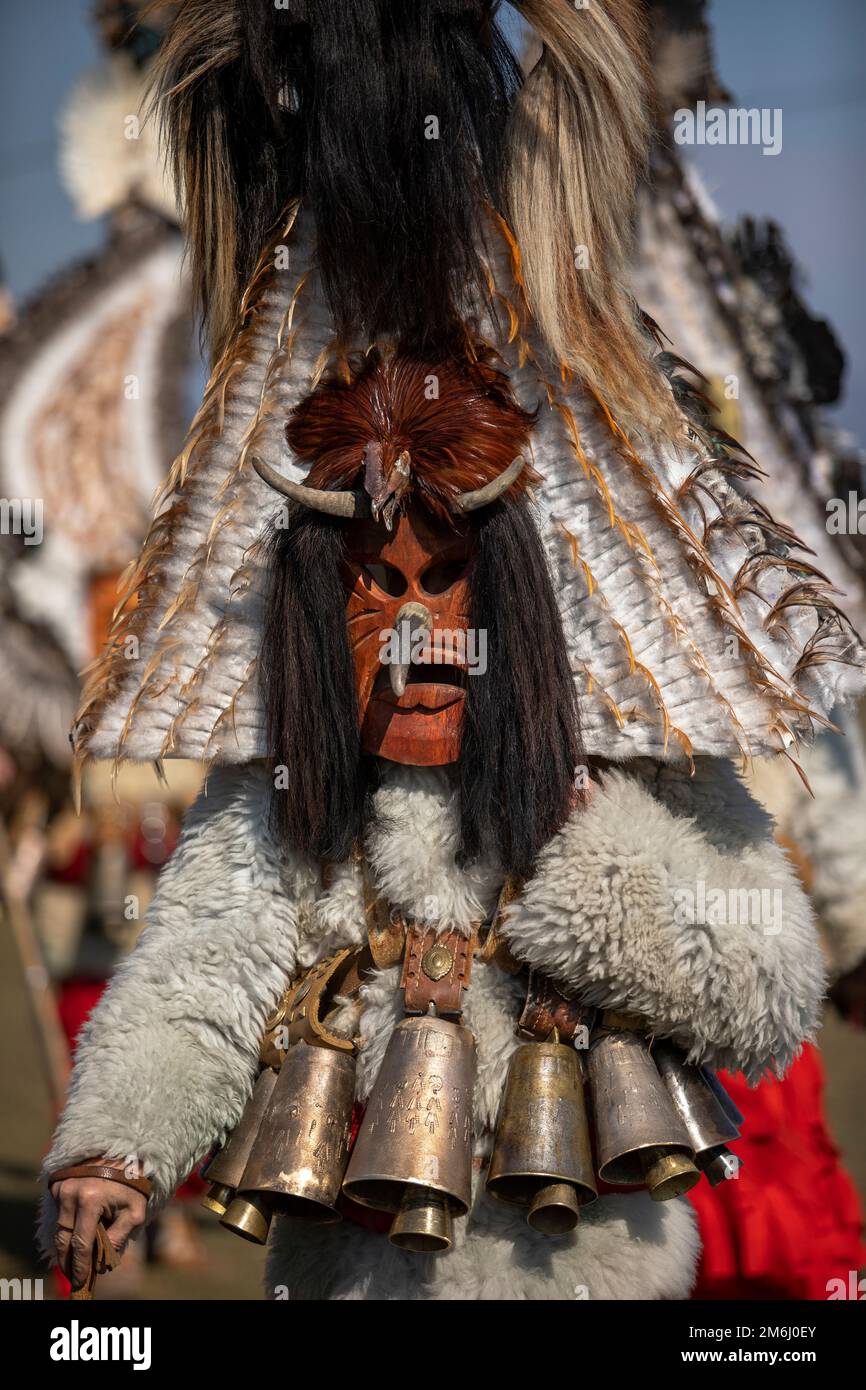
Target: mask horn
x,y
346,504
483,496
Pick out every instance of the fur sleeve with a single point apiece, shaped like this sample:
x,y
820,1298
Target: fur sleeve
x,y
830,828
668,896
167,1059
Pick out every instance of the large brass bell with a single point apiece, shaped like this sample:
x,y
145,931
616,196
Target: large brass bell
x,y
542,1156
640,1136
297,1161
413,1154
226,1168
708,1124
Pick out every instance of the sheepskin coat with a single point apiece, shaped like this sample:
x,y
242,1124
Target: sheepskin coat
x,y
618,910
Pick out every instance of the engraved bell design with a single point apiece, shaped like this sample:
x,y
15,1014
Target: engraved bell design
x,y
413,1154
542,1155
639,1134
296,1164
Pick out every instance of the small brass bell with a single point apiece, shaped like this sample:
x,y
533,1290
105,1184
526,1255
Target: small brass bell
x,y
707,1123
226,1168
640,1137
413,1154
296,1164
424,1222
249,1215
542,1157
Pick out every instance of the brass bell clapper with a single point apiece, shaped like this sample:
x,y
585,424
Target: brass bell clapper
x,y
413,1153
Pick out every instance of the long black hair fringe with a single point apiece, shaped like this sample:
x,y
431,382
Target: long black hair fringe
x,y
306,675
388,117
521,735
521,731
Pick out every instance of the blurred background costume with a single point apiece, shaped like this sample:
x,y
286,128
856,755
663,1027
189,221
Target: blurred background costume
x,y
97,371
730,301
434,414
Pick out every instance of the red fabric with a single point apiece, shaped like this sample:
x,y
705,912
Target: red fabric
x,y
76,869
791,1220
76,1000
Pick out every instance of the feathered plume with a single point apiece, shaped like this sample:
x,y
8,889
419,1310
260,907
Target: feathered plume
x,y
457,439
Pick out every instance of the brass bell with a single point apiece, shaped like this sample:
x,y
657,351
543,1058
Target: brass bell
x,y
417,1133
424,1222
707,1123
640,1137
297,1162
542,1156
226,1168
249,1215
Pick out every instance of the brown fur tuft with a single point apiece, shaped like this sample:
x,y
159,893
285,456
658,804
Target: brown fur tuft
x,y
458,439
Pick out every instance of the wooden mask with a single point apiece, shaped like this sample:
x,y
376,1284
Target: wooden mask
x,y
408,614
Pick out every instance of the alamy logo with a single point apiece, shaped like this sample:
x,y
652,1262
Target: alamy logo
x,y
723,907
21,1290
730,125
408,645
854,1288
22,516
77,1343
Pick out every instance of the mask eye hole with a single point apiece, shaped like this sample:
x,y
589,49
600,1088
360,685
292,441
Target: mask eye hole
x,y
438,578
385,577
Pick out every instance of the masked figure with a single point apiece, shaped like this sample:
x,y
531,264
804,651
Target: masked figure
x,y
466,601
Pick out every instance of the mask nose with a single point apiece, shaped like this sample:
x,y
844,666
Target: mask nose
x,y
418,618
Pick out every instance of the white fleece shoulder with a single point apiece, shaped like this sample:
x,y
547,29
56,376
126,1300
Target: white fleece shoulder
x,y
166,1062
667,895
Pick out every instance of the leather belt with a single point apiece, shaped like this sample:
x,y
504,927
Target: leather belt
x,y
299,1015
437,967
101,1170
548,1011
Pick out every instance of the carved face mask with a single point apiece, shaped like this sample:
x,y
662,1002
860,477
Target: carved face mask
x,y
407,583
407,615
403,466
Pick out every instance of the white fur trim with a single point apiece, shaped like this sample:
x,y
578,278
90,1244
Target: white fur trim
x,y
625,1247
166,1062
613,910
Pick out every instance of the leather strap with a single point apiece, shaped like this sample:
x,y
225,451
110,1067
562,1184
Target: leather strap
x,y
101,1170
103,1259
495,949
299,1016
547,1011
436,969
386,930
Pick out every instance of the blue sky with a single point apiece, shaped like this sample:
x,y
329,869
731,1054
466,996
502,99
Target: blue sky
x,y
808,58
